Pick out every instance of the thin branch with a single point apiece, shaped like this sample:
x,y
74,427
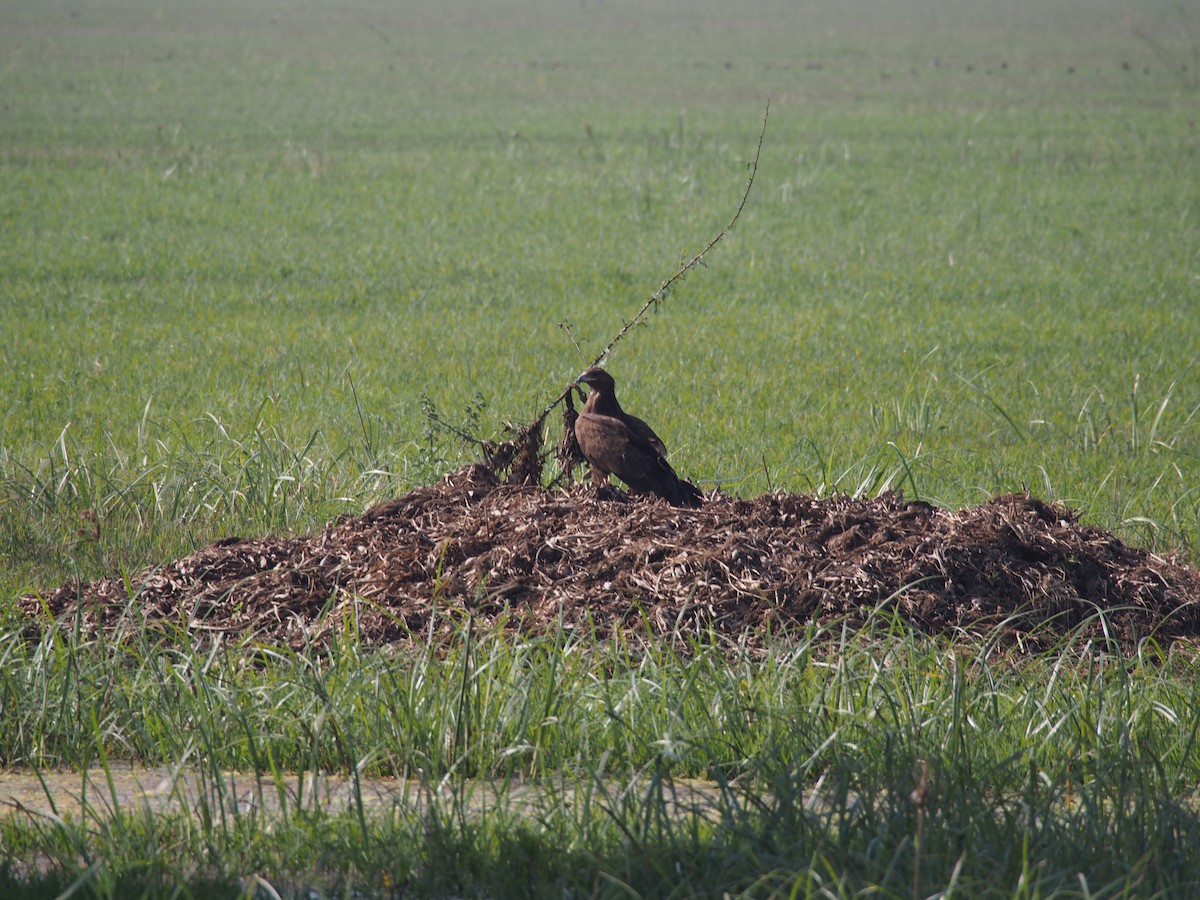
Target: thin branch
x,y
541,417
570,330
378,32
361,421
658,296
522,455
429,408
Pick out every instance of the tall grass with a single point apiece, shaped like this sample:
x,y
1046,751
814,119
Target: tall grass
x,y
836,762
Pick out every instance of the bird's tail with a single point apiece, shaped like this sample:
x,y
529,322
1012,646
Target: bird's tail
x,y
687,494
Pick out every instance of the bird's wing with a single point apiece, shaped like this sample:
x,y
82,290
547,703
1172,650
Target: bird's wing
x,y
613,446
646,434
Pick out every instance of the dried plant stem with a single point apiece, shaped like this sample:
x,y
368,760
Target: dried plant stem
x,y
919,797
665,288
521,457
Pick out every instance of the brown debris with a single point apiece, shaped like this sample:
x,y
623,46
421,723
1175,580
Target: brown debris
x,y
533,558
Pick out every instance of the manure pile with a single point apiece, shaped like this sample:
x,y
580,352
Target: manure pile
x,y
535,558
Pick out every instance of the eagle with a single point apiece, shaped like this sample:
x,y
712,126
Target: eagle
x,y
616,443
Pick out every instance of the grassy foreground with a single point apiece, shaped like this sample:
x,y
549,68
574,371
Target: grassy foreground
x,y
846,764
241,242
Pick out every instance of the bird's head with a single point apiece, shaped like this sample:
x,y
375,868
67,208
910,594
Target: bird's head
x,y
597,379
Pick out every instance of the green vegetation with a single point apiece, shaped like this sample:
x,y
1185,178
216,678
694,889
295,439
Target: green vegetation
x,y
241,242
837,762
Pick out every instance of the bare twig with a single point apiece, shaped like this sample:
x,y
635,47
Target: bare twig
x,y
361,421
570,330
919,797
665,288
522,455
435,418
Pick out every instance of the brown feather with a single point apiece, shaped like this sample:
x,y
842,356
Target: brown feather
x,y
616,443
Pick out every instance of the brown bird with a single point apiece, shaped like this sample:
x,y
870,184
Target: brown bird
x,y
614,442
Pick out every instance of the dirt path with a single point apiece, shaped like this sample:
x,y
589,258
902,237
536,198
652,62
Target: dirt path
x,y
98,794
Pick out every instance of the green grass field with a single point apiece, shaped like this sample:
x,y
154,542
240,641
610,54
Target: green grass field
x,y
241,243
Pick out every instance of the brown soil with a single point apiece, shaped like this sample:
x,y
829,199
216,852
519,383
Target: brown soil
x,y
534,560
98,793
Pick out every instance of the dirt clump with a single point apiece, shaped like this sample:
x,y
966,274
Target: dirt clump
x,y
535,560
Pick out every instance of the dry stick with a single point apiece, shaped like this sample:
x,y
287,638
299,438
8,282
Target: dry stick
x,y
919,796
658,296
570,330
528,439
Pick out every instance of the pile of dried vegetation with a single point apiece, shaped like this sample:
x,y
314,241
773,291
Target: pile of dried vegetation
x,y
531,560
490,541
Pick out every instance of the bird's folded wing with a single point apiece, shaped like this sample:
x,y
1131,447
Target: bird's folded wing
x,y
646,433
618,448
